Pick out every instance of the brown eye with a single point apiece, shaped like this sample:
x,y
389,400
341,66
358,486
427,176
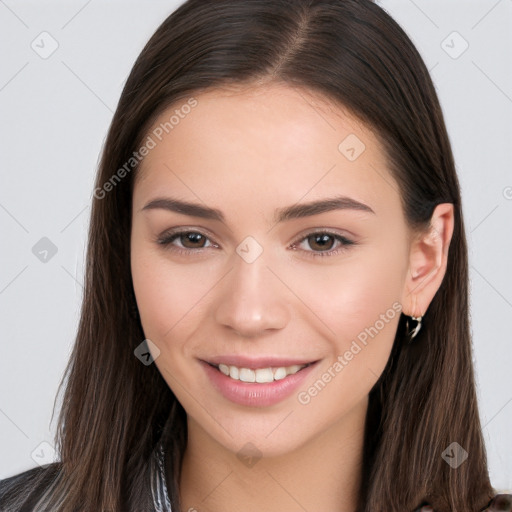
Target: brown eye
x,y
321,241
184,240
192,240
324,243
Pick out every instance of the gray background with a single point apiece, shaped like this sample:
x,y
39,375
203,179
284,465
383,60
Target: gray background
x,y
55,112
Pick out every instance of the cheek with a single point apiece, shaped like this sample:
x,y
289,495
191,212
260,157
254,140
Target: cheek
x,y
351,295
360,309
357,309
169,295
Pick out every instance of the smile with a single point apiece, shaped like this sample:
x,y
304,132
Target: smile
x,y
259,375
259,382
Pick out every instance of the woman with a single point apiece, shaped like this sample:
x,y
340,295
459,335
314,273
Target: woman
x,y
276,299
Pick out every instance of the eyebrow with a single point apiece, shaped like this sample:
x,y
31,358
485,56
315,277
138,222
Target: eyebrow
x,y
281,214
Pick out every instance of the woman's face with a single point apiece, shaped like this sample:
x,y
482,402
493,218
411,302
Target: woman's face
x,y
255,279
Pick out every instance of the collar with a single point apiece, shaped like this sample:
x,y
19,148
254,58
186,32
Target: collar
x,y
159,490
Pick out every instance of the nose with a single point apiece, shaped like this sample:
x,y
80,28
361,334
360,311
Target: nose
x,y
252,299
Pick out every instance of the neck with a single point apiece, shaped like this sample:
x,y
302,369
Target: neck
x,y
323,474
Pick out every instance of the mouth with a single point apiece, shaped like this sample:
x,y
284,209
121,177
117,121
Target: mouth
x,y
259,375
257,382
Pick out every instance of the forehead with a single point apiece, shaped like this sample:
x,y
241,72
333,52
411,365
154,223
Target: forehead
x,y
267,141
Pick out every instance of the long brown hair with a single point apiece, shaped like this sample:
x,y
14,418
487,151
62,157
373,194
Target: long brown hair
x,y
116,410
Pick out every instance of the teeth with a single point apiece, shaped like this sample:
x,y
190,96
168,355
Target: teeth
x,y
280,373
247,375
264,375
224,369
260,375
233,372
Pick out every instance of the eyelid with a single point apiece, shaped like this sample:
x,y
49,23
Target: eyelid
x,y
330,231
307,232
344,243
167,233
167,238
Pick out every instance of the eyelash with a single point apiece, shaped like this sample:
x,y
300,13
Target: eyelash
x,y
167,239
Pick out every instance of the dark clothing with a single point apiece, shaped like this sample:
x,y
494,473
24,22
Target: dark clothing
x,y
40,481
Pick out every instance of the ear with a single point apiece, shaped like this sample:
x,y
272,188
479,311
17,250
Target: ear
x,y
428,259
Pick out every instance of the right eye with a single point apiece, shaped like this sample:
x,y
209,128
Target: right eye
x,y
189,240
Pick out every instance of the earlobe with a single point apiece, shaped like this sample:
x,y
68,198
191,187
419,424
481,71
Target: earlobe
x,y
428,261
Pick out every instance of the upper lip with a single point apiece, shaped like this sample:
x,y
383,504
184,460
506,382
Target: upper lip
x,y
254,363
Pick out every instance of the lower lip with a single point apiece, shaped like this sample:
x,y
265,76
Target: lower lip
x,y
256,394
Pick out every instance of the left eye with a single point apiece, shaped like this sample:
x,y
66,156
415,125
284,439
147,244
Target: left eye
x,y
325,241
322,242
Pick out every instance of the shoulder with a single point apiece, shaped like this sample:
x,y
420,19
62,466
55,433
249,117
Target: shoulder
x,y
502,502
26,489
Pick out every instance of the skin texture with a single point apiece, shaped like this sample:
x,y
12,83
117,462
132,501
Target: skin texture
x,y
248,152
